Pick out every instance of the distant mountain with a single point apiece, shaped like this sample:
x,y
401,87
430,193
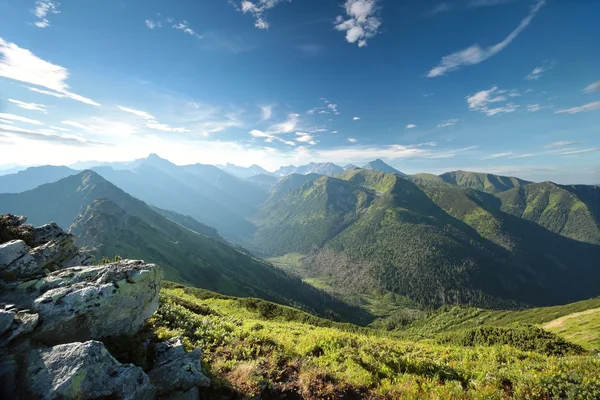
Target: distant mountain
x,y
369,230
379,165
267,182
244,172
481,181
188,222
291,182
350,166
33,177
204,192
329,169
12,169
569,210
108,221
118,165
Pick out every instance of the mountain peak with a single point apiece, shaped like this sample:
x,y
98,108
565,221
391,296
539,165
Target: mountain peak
x,y
380,165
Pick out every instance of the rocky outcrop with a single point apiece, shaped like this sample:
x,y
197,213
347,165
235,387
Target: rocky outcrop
x,y
83,370
174,369
51,295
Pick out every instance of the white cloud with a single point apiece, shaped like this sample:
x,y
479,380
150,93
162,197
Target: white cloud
x,y
269,138
363,22
60,129
539,71
584,108
151,122
18,118
534,107
582,151
138,113
288,126
42,9
356,118
78,125
594,87
267,112
29,106
352,140
153,24
526,155
24,66
441,8
411,126
45,135
305,138
497,155
480,102
5,121
258,9
475,54
563,143
447,123
183,26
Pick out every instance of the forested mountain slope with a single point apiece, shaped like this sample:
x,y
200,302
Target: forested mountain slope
x,y
483,182
572,211
109,221
436,245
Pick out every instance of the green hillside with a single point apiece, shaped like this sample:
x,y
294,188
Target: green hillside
x,y
577,322
369,230
483,182
571,211
255,349
108,221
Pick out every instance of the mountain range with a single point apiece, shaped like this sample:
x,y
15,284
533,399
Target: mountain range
x,y
460,237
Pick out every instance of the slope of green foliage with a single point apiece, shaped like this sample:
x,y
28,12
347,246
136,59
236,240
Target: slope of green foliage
x,y
269,352
526,338
571,211
581,327
368,230
483,182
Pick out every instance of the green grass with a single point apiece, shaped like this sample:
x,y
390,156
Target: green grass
x,y
582,328
253,348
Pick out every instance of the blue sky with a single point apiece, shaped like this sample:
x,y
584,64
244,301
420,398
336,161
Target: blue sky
x,y
500,86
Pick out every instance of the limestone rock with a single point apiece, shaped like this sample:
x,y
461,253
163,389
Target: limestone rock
x,y
176,370
80,259
11,251
83,371
23,323
6,320
15,220
48,232
83,303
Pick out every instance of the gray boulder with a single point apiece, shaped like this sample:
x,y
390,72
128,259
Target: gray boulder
x,y
12,251
176,370
45,233
84,303
83,371
22,324
6,320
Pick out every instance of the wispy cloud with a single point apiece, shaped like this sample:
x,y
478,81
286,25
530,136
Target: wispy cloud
x,y
42,9
183,26
497,155
363,21
447,123
180,26
78,125
153,24
258,9
151,122
269,138
593,87
29,106
440,8
581,151
475,54
22,65
328,108
559,144
47,136
411,126
288,126
267,112
352,140
584,108
539,71
356,118
481,102
18,118
534,107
